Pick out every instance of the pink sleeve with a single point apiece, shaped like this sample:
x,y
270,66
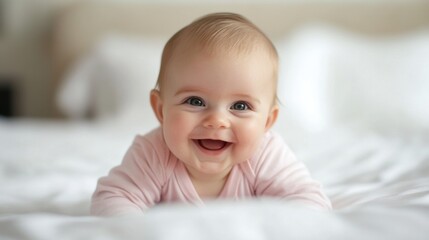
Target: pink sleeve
x,y
133,186
279,173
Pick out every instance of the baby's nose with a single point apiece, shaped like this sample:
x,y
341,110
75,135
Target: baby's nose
x,y
216,119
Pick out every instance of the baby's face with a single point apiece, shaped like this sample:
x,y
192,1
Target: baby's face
x,y
214,110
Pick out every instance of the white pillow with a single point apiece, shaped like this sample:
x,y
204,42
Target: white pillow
x,y
329,77
114,80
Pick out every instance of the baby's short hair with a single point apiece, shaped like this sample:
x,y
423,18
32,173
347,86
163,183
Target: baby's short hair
x,y
215,33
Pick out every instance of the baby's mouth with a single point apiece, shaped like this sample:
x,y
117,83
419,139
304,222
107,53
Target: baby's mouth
x,y
212,145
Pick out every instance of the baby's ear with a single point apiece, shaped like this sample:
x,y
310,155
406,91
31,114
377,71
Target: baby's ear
x,y
156,103
272,117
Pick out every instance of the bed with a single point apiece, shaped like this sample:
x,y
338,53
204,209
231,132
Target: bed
x,y
354,107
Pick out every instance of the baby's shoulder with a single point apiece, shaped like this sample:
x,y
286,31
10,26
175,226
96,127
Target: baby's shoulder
x,y
152,138
270,142
152,148
271,146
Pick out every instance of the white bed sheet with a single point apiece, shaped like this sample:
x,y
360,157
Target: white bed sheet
x,y
379,186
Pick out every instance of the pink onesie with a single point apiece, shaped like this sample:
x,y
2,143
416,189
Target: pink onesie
x,y
151,174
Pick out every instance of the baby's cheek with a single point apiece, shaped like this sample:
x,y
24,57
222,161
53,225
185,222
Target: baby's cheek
x,y
249,138
181,124
253,128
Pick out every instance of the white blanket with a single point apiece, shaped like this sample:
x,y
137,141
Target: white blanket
x,y
379,186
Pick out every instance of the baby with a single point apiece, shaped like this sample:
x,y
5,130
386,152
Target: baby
x,y
216,101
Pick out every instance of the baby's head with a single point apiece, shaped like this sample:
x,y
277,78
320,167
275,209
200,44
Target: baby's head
x,y
216,93
221,34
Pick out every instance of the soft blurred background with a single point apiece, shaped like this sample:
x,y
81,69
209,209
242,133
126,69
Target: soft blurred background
x,y
27,70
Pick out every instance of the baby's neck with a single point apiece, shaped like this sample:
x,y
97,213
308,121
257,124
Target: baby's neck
x,y
209,189
208,186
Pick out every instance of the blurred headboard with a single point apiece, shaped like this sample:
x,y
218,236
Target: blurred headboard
x,y
78,27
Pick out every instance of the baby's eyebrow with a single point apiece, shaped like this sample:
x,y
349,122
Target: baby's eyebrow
x,y
248,97
187,90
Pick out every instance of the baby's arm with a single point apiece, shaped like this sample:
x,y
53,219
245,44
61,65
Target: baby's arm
x,y
131,187
280,174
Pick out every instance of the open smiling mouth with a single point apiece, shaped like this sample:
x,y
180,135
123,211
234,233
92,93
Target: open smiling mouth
x,y
212,145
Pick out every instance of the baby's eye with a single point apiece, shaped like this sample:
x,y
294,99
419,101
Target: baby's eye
x,y
240,106
195,101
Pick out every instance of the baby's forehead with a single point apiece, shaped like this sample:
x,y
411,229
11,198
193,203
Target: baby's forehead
x,y
195,64
191,59
185,56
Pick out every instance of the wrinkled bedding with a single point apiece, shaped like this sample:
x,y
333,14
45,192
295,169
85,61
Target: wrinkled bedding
x,y
378,184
